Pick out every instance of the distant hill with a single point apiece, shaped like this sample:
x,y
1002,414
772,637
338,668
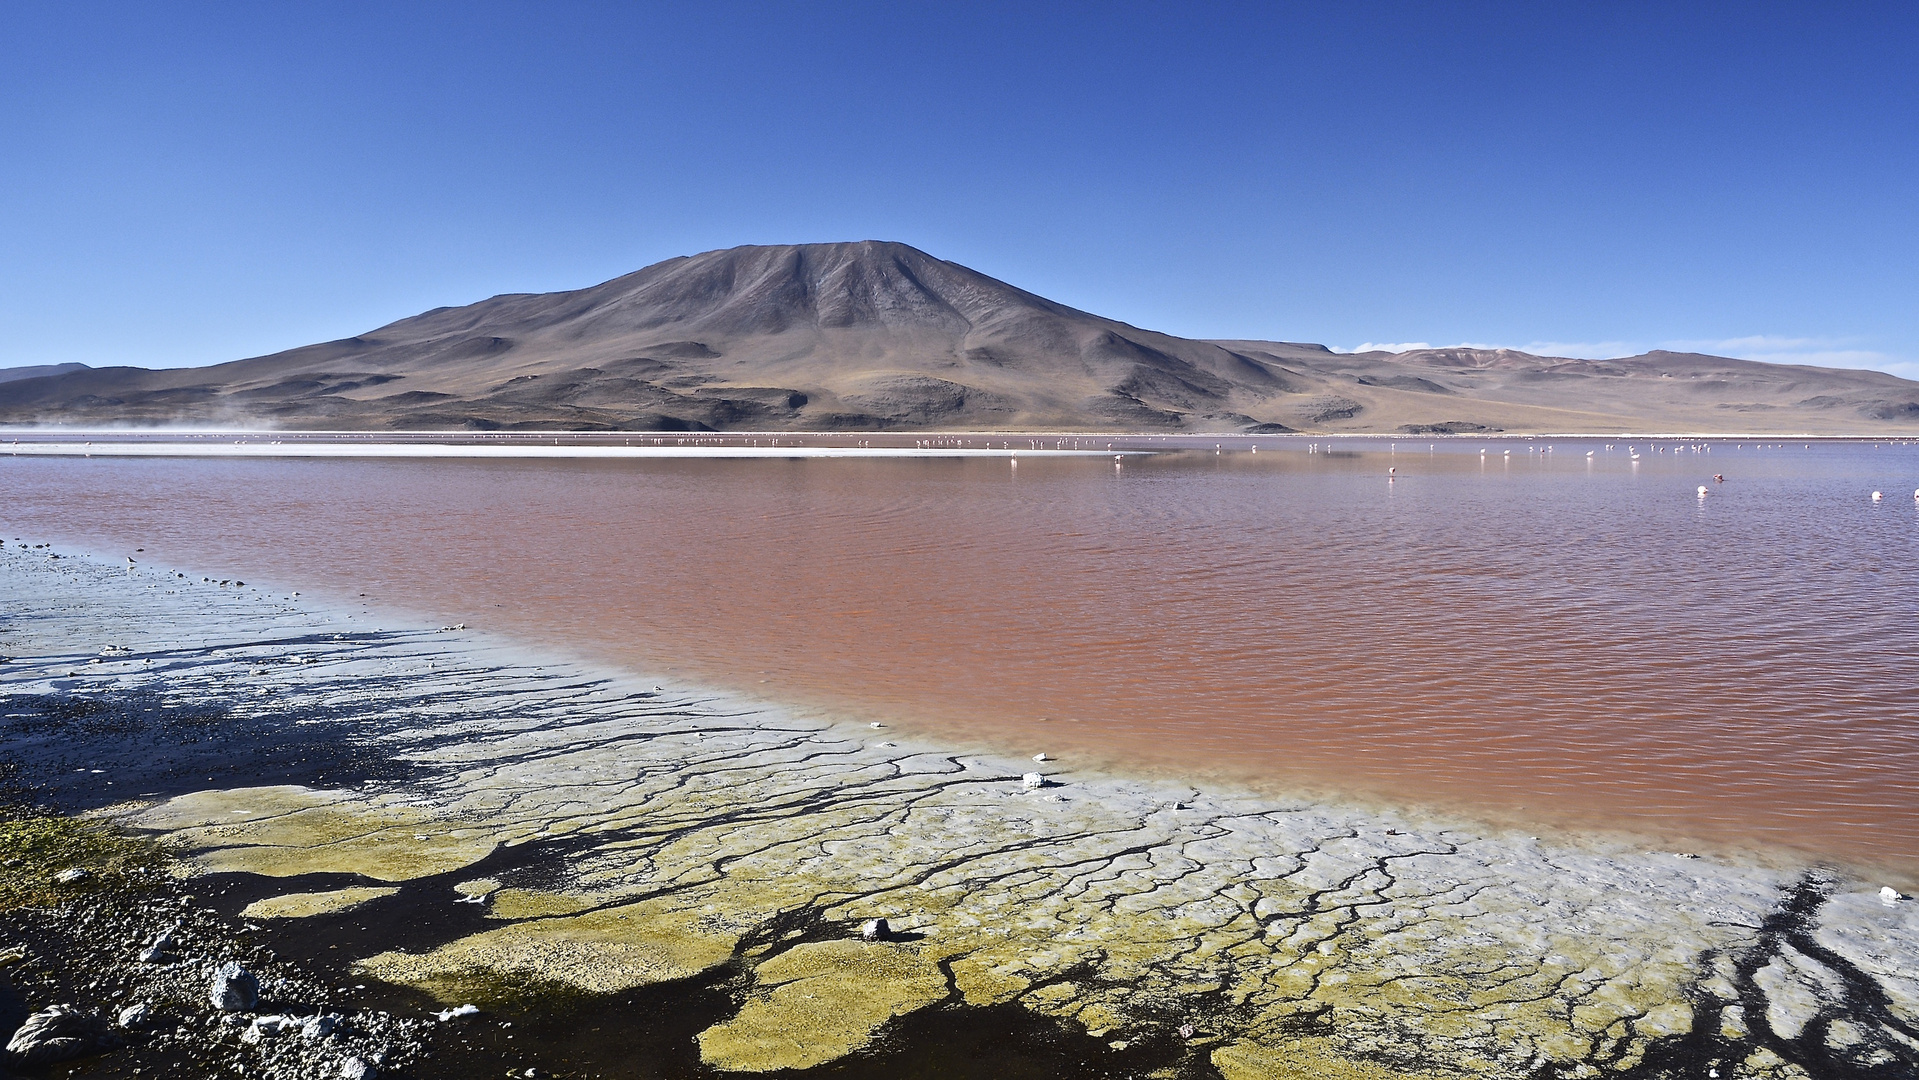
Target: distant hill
x,y
875,335
35,371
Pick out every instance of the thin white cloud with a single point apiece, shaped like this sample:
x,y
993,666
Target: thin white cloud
x,y
1583,350
1392,347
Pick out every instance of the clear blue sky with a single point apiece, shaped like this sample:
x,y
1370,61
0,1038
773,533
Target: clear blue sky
x,y
186,184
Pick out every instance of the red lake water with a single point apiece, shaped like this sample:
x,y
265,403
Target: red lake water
x,y
1527,633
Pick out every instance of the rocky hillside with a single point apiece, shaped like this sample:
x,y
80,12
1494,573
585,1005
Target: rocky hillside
x,y
874,335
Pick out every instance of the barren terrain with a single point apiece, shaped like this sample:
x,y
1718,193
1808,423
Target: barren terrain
x,y
880,336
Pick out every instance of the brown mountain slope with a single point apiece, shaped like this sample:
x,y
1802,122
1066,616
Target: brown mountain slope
x,y
878,335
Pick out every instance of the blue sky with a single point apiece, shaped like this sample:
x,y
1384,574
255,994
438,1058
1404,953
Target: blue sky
x,y
186,184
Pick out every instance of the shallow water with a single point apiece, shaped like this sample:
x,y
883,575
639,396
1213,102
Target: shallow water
x,y
1570,640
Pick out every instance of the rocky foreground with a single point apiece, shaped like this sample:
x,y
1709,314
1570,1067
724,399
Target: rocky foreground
x,y
382,827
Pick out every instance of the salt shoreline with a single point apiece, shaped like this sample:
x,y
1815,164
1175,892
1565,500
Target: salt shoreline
x,y
529,451
1306,935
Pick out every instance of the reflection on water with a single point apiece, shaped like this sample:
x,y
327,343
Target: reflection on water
x,y
1584,638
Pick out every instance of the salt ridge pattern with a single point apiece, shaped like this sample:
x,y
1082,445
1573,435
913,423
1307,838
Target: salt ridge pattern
x,y
691,831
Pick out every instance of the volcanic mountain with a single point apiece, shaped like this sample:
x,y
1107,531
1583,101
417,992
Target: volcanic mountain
x,y
875,335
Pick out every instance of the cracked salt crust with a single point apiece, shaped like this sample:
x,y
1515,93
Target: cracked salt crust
x,y
1309,939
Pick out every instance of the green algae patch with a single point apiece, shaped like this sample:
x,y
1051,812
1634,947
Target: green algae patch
x,y
36,852
303,904
599,952
827,1000
287,831
1305,1059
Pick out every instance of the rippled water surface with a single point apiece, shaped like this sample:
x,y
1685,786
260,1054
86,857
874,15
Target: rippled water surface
x,y
1569,639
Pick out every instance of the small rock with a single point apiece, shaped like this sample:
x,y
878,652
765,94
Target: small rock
x,y
457,1012
356,1069
1039,757
1889,896
55,1034
1032,781
234,988
319,1027
134,1016
71,875
153,954
875,930
876,724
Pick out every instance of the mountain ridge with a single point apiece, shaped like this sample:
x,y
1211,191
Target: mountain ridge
x,y
875,335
